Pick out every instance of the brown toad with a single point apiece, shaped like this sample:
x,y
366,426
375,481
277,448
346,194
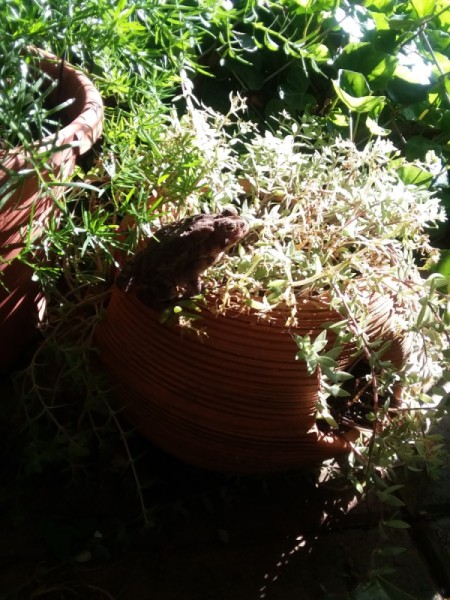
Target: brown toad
x,y
169,267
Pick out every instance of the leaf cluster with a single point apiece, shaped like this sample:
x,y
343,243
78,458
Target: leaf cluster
x,y
354,66
23,91
368,68
321,211
335,223
328,204
387,60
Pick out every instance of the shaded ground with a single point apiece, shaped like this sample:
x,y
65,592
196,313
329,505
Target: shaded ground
x,y
212,536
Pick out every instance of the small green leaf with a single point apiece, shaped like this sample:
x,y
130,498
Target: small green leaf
x,y
424,8
391,551
392,592
335,390
397,524
401,22
328,418
411,174
339,119
360,104
257,305
326,362
376,129
269,43
337,376
437,280
353,83
390,499
319,52
320,342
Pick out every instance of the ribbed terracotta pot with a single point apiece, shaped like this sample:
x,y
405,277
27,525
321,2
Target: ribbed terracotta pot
x,y
233,400
29,206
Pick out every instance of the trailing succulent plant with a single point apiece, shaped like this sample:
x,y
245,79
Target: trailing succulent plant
x,y
327,219
323,213
338,223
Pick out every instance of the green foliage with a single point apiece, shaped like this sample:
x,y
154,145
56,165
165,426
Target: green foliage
x,y
326,219
370,68
381,589
127,47
321,68
23,91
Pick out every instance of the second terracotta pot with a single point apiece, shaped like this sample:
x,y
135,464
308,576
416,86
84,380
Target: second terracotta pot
x,y
30,204
234,399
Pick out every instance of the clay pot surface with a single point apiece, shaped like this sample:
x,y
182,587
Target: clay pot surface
x,y
234,399
82,125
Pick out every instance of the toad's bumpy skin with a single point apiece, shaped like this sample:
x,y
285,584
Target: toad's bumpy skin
x,y
173,260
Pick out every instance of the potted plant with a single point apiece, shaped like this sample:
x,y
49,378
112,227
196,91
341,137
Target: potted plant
x,y
50,114
317,327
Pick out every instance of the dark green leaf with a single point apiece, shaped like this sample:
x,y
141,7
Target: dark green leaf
x,y
393,592
411,174
402,22
376,129
406,92
443,266
397,524
423,8
365,58
369,591
353,83
390,500
445,122
382,73
359,104
249,74
417,147
391,551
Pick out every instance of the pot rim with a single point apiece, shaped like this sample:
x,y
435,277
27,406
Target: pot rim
x,y
82,131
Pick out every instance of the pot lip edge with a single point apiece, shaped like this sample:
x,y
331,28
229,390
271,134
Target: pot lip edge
x,y
275,319
90,118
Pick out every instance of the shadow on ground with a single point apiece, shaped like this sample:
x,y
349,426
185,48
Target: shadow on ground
x,y
210,536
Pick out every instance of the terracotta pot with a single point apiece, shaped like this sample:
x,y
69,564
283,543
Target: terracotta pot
x,y
233,400
82,125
